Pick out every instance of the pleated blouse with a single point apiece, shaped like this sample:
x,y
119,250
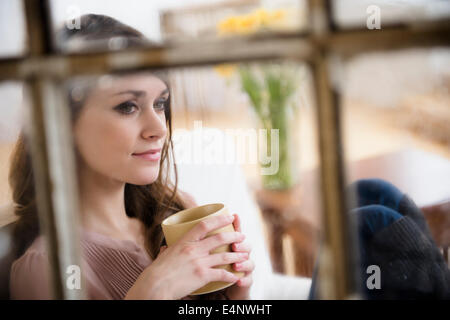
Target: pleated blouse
x,y
109,268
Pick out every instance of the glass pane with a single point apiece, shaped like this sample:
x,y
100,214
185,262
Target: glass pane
x,y
230,147
397,141
230,106
226,150
15,184
10,126
205,20
73,33
155,23
12,28
367,13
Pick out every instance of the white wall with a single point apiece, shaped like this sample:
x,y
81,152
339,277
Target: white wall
x,y
12,28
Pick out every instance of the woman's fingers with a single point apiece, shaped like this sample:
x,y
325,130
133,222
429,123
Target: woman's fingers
x,y
237,223
244,266
217,274
219,239
223,258
205,226
245,281
241,247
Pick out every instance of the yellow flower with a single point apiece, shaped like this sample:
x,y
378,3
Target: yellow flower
x,y
278,15
245,24
225,70
228,25
262,15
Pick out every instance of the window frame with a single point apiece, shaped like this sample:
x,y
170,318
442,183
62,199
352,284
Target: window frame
x,y
320,46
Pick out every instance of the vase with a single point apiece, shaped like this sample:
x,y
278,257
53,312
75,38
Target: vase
x,y
285,119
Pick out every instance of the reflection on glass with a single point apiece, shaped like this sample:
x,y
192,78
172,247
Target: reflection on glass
x,y
396,139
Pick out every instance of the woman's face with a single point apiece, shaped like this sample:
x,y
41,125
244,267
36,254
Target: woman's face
x,y
120,121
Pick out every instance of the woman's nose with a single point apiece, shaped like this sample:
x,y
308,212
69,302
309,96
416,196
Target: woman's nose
x,y
154,125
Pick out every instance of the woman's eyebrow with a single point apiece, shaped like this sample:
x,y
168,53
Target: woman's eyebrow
x,y
136,93
164,91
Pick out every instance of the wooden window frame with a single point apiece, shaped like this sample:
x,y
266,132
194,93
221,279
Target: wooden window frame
x,y
43,70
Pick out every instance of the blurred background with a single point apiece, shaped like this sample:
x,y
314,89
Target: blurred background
x,y
395,106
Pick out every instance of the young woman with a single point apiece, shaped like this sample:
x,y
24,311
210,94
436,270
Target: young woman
x,y
122,135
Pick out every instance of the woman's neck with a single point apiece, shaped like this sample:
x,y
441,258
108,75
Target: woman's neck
x,y
102,207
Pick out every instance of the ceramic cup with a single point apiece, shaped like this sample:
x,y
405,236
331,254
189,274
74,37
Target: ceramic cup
x,y
175,226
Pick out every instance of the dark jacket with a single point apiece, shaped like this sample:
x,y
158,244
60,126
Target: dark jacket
x,y
394,236
412,266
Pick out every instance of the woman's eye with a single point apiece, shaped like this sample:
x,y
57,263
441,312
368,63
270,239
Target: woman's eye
x,y
160,104
126,107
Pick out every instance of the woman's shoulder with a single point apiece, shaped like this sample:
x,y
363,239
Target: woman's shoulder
x,y
37,246
29,273
36,251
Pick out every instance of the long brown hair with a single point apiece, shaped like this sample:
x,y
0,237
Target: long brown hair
x,y
150,203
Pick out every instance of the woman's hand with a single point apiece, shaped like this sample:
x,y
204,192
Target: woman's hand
x,y
241,289
187,265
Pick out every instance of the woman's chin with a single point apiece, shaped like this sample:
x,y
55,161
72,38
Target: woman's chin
x,y
144,179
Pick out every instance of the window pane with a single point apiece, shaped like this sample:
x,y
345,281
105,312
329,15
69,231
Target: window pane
x,y
13,179
172,21
208,20
226,150
363,13
223,100
397,141
10,126
12,28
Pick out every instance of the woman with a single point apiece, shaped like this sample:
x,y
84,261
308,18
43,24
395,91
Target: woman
x,y
122,135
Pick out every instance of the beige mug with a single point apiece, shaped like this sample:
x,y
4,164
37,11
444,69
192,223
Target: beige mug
x,y
175,226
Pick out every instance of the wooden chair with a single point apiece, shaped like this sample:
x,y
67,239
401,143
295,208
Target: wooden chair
x,y
438,219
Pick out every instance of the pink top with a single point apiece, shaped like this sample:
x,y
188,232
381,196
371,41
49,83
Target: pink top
x,y
109,267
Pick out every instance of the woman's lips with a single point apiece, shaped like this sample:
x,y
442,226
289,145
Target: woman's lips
x,y
149,155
